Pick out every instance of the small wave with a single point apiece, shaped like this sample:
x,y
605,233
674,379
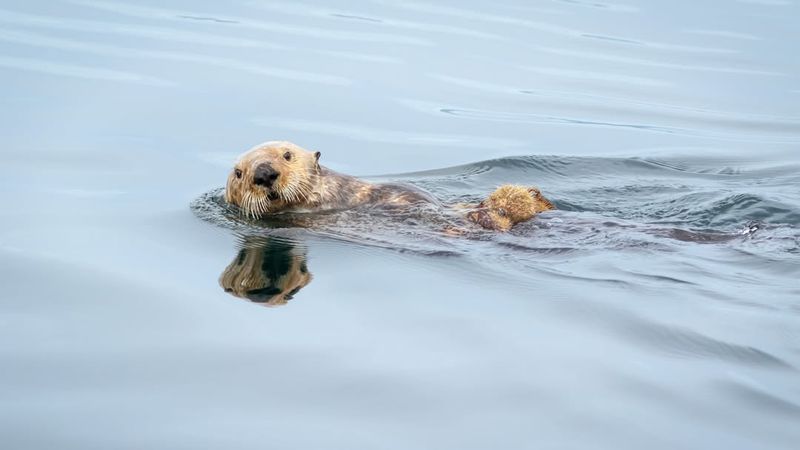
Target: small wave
x,y
685,193
618,204
530,166
758,398
687,343
207,19
710,210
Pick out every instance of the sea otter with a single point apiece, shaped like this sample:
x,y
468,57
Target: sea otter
x,y
279,176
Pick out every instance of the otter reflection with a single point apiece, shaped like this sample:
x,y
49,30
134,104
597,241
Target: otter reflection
x,y
267,270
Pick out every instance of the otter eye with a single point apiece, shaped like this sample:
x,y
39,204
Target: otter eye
x,y
502,212
238,173
287,156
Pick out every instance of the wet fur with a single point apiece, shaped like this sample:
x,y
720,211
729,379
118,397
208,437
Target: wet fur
x,y
304,185
509,205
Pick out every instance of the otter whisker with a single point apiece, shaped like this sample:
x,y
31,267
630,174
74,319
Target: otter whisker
x,y
245,206
296,189
256,205
253,206
263,205
284,194
289,193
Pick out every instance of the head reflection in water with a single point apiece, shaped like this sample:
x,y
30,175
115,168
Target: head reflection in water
x,y
267,270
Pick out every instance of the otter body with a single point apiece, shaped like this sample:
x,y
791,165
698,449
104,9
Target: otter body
x,y
279,176
339,191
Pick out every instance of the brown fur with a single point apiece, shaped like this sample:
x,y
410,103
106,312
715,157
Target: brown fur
x,y
509,205
295,185
304,185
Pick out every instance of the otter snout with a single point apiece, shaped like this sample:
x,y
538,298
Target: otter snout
x,y
265,175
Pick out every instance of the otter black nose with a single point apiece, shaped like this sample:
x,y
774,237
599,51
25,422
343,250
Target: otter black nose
x,y
265,175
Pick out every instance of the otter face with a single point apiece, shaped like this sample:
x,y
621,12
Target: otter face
x,y
271,177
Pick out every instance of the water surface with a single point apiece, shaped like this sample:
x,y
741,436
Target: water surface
x,y
657,308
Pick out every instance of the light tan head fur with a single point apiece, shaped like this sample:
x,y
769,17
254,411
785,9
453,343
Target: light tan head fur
x,y
271,177
509,205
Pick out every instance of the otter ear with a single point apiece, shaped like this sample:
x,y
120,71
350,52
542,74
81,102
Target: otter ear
x,y
316,162
317,155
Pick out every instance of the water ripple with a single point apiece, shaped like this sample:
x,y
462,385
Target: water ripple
x,y
168,34
611,78
616,7
685,119
545,27
115,51
726,34
79,71
363,133
711,210
759,398
540,118
635,61
297,9
682,342
245,22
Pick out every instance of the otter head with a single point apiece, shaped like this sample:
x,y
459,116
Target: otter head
x,y
509,205
271,177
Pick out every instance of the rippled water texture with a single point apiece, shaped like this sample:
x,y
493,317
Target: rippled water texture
x,y
656,308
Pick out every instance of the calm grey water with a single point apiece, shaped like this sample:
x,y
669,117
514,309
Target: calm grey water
x,y
644,313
